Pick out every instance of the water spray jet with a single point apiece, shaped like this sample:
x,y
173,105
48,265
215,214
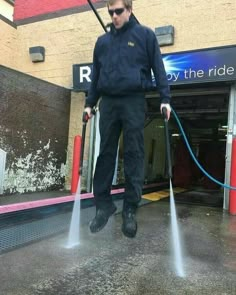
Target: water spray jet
x,y
176,243
74,232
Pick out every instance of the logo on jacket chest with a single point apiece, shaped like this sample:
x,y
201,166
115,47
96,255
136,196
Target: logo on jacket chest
x,y
131,44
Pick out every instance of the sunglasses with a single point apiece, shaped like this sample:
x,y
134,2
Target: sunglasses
x,y
117,11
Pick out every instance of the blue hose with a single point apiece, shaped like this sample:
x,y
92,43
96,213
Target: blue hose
x,y
195,159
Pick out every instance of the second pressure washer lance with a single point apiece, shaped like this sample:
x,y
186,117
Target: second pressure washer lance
x,y
167,139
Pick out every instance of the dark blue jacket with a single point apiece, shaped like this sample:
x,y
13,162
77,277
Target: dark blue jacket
x,y
122,64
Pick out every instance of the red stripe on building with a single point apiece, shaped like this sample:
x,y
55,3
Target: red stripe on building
x,y
30,8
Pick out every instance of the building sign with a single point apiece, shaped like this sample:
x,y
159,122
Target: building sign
x,y
198,66
209,65
82,76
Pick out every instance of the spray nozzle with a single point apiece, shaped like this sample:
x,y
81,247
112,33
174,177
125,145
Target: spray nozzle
x,y
85,117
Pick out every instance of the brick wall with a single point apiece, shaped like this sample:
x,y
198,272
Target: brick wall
x,y
8,44
34,123
67,40
198,24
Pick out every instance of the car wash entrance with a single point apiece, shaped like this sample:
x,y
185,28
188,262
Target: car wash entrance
x,y
203,96
203,112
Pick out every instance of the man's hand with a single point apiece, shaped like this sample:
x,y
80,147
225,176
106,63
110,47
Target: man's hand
x,y
88,110
168,108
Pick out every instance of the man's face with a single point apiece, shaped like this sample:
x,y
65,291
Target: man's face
x,y
119,14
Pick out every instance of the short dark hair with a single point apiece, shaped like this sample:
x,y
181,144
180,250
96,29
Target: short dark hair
x,y
127,3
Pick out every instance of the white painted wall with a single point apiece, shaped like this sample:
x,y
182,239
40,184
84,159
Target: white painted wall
x,y
6,10
2,169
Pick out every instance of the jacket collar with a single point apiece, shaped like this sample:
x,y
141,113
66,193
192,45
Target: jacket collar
x,y
125,27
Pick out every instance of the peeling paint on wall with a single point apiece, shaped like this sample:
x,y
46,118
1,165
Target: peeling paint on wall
x,y
34,173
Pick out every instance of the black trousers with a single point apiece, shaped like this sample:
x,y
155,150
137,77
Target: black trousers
x,y
117,114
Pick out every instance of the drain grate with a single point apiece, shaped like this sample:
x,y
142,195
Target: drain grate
x,y
25,230
18,235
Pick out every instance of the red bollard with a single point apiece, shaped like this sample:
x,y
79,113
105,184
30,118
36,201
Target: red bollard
x,y
76,163
232,193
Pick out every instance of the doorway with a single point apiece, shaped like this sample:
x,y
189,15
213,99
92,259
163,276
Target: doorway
x,y
203,113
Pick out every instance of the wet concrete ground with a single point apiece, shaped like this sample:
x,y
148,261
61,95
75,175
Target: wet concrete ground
x,y
108,263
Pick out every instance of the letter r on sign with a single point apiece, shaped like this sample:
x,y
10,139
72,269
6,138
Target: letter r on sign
x,y
84,73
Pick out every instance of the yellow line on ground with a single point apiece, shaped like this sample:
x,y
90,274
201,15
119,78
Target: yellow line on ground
x,y
156,196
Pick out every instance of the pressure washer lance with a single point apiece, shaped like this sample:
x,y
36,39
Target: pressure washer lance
x,y
85,119
167,139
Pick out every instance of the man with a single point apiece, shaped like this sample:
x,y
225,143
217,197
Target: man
x,y
122,63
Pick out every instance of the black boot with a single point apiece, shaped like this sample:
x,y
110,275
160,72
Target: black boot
x,y
101,218
129,227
